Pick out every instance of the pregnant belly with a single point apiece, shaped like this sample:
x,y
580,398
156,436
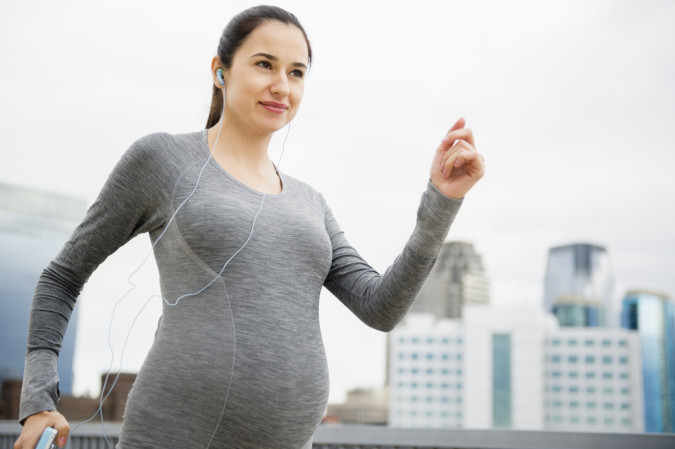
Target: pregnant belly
x,y
249,388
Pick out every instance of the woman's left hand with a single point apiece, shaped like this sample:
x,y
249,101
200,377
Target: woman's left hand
x,y
457,166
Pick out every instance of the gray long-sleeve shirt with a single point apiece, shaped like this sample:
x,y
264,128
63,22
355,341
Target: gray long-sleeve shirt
x,y
242,361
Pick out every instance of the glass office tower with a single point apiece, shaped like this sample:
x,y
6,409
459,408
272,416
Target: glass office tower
x,y
653,316
582,271
33,227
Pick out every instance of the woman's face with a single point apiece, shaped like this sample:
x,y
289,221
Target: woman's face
x,y
264,85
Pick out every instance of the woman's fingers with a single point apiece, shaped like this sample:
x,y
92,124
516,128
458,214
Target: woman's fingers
x,y
37,423
463,157
459,134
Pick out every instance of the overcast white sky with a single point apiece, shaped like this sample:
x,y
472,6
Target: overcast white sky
x,y
572,104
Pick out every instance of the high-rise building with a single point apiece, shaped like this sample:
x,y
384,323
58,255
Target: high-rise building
x,y
514,369
652,315
583,271
593,380
33,227
458,278
483,371
574,311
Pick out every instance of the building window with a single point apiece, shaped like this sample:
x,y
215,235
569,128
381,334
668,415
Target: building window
x,y
430,371
625,406
625,421
557,418
590,405
444,385
413,384
555,374
623,343
445,371
556,388
414,370
430,385
624,376
590,390
573,374
414,356
623,360
606,343
572,359
607,359
590,375
430,356
625,391
590,359
430,399
571,342
574,404
574,389
608,406
609,421
501,380
415,340
591,420
555,342
607,375
608,390
459,372
445,356
401,340
430,341
574,419
589,343
556,404
555,358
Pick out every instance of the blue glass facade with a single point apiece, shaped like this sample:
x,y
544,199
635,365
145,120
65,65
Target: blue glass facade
x,y
582,271
501,381
33,227
579,314
653,316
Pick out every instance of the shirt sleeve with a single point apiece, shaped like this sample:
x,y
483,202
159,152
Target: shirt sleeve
x,y
131,202
381,301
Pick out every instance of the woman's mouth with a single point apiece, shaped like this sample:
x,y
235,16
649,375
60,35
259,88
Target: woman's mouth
x,y
272,106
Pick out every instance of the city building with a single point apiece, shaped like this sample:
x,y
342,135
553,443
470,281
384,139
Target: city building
x,y
576,311
593,380
458,278
483,371
33,227
426,373
652,316
515,369
583,271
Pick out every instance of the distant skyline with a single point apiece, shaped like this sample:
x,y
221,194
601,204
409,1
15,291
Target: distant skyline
x,y
572,104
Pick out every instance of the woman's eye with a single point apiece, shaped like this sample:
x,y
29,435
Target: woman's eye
x,y
298,73
264,64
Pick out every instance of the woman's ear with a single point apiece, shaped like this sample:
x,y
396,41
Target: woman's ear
x,y
217,72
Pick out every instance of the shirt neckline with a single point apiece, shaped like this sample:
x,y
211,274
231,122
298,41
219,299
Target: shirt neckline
x,y
205,148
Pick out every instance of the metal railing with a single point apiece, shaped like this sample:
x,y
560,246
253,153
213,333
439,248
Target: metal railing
x,y
90,436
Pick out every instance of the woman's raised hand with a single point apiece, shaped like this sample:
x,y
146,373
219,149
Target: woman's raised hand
x,y
37,423
457,166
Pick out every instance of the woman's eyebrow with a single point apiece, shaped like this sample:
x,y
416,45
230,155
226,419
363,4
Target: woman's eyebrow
x,y
274,58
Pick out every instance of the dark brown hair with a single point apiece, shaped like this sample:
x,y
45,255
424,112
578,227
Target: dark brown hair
x,y
234,35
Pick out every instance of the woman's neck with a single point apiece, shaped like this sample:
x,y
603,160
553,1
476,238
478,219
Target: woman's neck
x,y
245,157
